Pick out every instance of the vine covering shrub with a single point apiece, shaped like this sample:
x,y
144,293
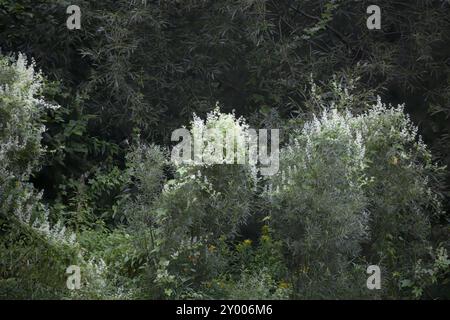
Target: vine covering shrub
x,y
35,248
29,242
354,190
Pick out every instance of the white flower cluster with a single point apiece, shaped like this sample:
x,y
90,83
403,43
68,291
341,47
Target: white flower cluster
x,y
224,139
332,136
56,234
220,133
20,146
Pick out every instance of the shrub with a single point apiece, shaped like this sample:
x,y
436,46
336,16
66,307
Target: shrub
x,y
402,200
217,196
200,205
253,270
30,243
34,251
256,285
318,201
353,191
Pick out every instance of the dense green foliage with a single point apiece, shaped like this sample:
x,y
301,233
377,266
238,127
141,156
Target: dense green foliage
x,y
85,171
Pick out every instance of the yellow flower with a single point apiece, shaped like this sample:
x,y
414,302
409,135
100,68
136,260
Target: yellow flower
x,y
248,242
304,269
283,285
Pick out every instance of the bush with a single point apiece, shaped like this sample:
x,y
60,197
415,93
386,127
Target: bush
x,y
402,200
200,205
353,191
253,270
20,110
34,250
30,243
318,202
257,285
217,196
